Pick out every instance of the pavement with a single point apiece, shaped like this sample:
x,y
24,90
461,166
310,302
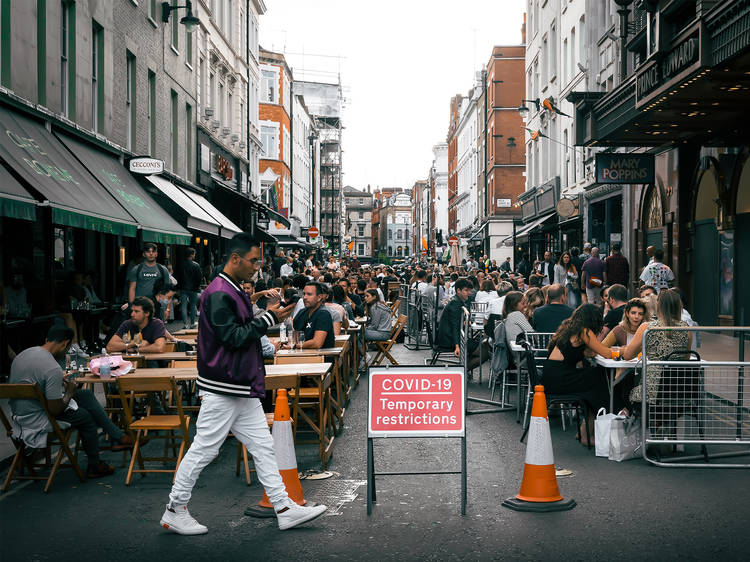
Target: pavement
x,y
625,510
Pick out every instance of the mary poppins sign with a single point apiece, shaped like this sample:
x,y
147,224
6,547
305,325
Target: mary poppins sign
x,y
618,167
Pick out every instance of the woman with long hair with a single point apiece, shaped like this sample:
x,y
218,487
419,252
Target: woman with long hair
x,y
567,275
566,371
514,315
660,344
487,292
379,323
635,314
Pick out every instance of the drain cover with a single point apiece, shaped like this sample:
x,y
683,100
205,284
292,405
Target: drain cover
x,y
335,493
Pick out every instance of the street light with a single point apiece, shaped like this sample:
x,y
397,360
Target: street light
x,y
523,110
189,21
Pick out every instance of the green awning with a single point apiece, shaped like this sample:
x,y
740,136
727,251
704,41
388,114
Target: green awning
x,y
48,167
15,201
155,224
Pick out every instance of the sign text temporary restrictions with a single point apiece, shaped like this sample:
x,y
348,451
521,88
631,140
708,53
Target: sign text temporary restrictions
x,y
618,167
409,402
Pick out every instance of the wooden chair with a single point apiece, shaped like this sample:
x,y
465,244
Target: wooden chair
x,y
169,423
188,386
57,437
170,346
317,401
394,307
273,383
384,346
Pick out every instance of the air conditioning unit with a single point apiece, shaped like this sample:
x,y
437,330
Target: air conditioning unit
x,y
208,112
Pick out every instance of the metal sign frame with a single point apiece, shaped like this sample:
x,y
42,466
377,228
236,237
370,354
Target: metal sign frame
x,y
437,372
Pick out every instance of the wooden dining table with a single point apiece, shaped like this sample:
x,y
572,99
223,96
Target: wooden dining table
x,y
186,332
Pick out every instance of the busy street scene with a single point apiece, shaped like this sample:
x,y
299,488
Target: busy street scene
x,y
293,280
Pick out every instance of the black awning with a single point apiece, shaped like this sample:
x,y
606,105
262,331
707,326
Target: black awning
x,y
45,165
15,201
197,217
156,225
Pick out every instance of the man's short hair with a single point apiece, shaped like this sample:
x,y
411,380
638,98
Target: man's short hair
x,y
659,254
555,292
616,247
645,288
149,246
421,274
463,283
618,292
145,303
190,253
319,287
241,244
361,284
59,333
299,281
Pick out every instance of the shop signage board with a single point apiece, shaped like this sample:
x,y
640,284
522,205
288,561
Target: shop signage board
x,y
618,167
145,165
415,401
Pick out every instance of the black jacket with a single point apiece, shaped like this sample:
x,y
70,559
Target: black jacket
x,y
449,328
191,276
548,318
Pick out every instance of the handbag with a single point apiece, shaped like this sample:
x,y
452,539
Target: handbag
x,y
602,428
625,440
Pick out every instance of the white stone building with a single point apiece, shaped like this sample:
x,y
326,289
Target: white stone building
x,y
467,166
439,175
302,163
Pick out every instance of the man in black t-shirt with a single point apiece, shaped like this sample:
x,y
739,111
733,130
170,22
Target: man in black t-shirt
x,y
314,319
152,330
618,298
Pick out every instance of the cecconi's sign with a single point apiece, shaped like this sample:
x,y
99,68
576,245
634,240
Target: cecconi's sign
x,y
146,166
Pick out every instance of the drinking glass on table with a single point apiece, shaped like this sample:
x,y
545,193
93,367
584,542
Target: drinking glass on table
x,y
137,340
295,339
126,341
300,335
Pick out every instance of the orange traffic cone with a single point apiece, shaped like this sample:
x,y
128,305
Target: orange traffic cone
x,y
539,491
286,459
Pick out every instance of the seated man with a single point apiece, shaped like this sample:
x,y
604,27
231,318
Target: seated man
x,y
79,408
315,319
548,318
449,328
152,330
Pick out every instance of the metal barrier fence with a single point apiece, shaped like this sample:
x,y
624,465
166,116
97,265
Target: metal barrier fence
x,y
695,408
415,333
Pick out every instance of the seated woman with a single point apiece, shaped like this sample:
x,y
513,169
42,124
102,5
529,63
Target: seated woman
x,y
514,315
635,314
487,292
379,323
660,344
566,372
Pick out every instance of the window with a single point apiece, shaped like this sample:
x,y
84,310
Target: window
x,y
152,9
287,145
97,71
390,249
222,104
151,116
64,106
360,249
189,49
361,230
269,90
399,234
5,37
230,109
130,99
268,139
581,40
173,131
361,215
573,70
565,61
545,62
553,50
390,235
188,141
201,87
212,94
228,27
174,22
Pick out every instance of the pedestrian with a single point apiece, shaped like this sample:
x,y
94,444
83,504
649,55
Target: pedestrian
x,y
192,277
546,269
593,277
656,274
618,269
231,377
142,277
566,274
524,266
505,266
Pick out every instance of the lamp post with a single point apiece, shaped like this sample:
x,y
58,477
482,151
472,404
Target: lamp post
x,y
524,110
623,11
189,21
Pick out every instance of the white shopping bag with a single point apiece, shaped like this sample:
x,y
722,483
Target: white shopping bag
x,y
625,439
602,431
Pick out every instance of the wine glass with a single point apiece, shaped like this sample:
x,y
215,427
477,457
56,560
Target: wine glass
x,y
138,340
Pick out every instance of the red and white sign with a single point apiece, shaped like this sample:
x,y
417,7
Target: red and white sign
x,y
416,402
424,252
313,232
453,240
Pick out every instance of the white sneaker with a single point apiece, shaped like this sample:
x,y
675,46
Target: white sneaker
x,y
298,514
179,520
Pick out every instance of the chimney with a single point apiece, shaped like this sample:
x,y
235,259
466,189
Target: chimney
x,y
523,30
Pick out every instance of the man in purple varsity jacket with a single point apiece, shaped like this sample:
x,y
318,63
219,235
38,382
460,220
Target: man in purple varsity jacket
x,y
231,379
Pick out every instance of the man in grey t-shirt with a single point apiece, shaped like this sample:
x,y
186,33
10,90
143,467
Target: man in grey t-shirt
x,y
80,408
142,277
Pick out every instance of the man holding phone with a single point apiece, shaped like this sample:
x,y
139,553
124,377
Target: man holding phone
x,y
80,408
231,377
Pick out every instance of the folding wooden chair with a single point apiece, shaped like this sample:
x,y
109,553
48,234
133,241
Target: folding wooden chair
x,y
188,386
394,307
57,437
170,346
384,346
273,383
169,423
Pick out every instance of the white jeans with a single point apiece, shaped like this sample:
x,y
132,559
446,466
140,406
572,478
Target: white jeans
x,y
218,416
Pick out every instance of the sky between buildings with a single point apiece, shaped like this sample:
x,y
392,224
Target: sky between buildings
x,y
400,63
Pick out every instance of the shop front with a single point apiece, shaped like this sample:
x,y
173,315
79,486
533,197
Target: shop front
x,y
538,213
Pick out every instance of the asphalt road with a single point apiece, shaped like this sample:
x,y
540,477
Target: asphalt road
x,y
625,510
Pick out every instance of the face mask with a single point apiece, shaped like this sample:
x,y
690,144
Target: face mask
x,y
164,302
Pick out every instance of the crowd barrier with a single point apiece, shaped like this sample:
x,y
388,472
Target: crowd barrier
x,y
697,410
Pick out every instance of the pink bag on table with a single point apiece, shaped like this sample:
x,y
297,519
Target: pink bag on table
x,y
118,365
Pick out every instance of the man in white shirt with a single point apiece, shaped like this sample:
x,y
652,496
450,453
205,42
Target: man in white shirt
x,y
287,269
656,274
